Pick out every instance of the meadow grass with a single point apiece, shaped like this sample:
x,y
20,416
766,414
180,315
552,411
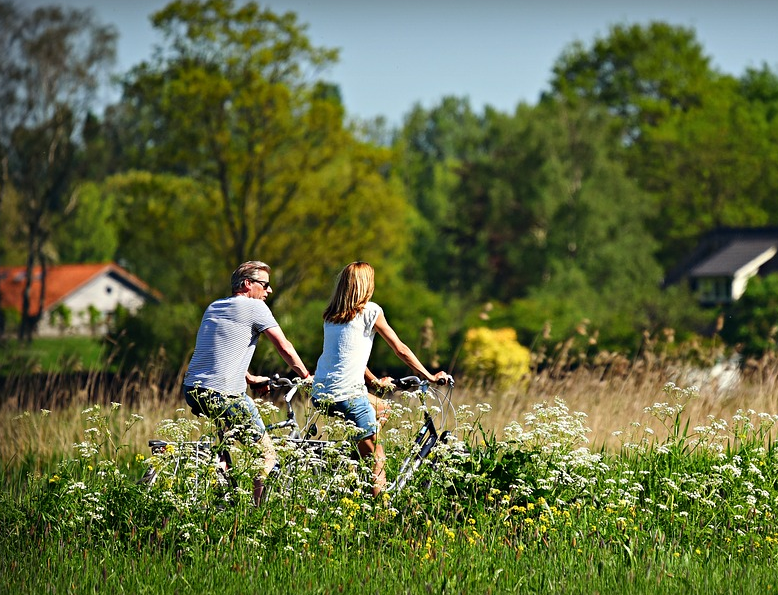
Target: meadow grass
x,y
524,500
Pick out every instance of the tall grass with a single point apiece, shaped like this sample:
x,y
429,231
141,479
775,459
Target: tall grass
x,y
533,512
614,395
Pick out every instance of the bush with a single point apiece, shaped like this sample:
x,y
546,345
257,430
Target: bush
x,y
495,356
164,333
751,323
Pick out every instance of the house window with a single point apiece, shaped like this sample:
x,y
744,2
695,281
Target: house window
x,y
108,289
714,290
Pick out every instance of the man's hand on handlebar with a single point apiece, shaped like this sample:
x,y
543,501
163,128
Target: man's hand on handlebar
x,y
383,385
260,384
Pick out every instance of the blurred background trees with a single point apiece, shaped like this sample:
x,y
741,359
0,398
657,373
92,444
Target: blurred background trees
x,y
231,144
53,61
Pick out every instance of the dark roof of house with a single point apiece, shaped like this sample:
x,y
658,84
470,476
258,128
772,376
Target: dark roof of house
x,y
714,241
61,281
731,258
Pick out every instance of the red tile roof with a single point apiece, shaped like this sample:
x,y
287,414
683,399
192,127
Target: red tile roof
x,y
61,280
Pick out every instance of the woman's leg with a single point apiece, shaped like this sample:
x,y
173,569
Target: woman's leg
x,y
362,412
382,409
369,447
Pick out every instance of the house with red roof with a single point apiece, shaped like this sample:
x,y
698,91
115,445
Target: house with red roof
x,y
90,293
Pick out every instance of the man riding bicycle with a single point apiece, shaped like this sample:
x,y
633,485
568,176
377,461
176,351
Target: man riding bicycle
x,y
217,376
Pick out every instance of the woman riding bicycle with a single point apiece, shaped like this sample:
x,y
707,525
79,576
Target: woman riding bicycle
x,y
351,321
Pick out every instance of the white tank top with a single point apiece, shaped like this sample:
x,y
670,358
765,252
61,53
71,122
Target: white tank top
x,y
340,371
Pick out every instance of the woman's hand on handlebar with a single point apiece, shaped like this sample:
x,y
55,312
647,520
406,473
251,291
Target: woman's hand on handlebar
x,y
442,378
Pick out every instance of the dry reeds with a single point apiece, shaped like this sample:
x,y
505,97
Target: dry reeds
x,y
611,389
614,392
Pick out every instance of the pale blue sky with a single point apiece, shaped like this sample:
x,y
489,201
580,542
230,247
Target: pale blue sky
x,y
395,53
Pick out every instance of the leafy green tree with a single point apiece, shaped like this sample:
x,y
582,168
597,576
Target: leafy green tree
x,y
642,73
229,102
89,231
700,142
760,88
167,233
433,144
708,167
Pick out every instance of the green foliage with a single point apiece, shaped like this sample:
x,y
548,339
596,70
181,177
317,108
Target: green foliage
x,y
251,159
168,234
643,73
62,317
751,323
496,357
89,232
164,333
699,142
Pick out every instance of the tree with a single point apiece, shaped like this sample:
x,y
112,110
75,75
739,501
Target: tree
x,y
90,232
712,166
701,143
642,73
230,102
751,323
433,145
53,60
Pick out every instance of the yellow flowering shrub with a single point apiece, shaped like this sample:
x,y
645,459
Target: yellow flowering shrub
x,y
496,356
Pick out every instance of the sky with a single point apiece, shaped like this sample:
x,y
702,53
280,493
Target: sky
x,y
396,53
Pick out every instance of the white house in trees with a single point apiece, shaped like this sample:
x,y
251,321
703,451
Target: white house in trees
x,y
88,293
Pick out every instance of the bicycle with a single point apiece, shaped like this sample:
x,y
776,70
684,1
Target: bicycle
x,y
428,435
206,463
431,432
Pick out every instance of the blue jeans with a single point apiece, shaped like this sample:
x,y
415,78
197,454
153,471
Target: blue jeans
x,y
227,411
358,410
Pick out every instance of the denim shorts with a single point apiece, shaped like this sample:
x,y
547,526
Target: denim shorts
x,y
358,410
227,411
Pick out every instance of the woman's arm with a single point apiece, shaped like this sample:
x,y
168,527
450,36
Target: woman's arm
x,y
403,351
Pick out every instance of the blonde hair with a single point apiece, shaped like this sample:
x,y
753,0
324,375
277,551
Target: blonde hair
x,y
353,289
248,270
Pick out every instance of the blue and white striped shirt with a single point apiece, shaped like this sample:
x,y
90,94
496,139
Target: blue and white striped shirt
x,y
226,340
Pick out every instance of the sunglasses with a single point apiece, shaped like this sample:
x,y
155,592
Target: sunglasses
x,y
265,284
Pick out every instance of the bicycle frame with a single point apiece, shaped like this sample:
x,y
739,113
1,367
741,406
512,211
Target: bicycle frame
x,y
426,439
203,453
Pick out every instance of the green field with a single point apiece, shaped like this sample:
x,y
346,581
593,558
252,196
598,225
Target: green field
x,y
533,512
55,354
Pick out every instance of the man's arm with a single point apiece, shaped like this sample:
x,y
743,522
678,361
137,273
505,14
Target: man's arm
x,y
287,351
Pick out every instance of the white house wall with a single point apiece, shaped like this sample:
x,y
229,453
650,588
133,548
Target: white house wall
x,y
104,292
744,273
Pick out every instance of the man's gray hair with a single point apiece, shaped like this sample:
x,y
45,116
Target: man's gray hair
x,y
248,270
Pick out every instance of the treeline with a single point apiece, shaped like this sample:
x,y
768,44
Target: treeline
x,y
231,144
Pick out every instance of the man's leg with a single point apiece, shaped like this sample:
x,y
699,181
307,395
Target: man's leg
x,y
269,462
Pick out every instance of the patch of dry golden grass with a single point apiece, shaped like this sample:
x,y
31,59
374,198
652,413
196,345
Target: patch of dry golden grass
x,y
613,395
615,398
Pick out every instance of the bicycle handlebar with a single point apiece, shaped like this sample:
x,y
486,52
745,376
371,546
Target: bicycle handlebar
x,y
279,382
415,381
